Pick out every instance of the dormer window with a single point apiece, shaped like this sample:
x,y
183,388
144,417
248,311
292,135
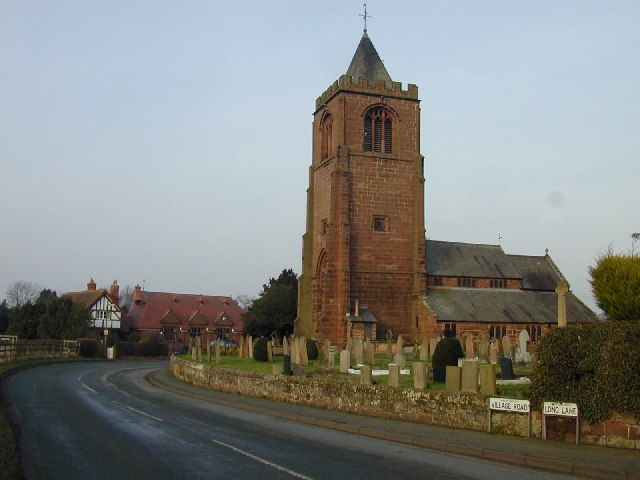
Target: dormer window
x,y
378,130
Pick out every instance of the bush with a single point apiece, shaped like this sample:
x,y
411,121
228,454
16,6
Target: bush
x,y
447,353
591,365
89,348
147,349
260,350
312,349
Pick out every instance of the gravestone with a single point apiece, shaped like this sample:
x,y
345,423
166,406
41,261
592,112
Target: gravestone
x,y
506,369
453,380
470,372
365,375
285,346
370,356
506,346
299,371
433,343
250,342
399,360
469,351
327,348
394,375
287,364
424,349
349,344
493,353
269,351
295,352
487,379
304,356
399,344
419,371
345,361
331,359
389,337
208,351
216,348
483,350
357,347
277,369
241,347
523,354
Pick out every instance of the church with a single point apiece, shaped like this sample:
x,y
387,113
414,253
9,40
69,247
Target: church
x,y
367,267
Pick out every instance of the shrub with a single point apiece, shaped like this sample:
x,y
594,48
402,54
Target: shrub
x,y
147,349
89,348
447,353
591,365
260,350
312,349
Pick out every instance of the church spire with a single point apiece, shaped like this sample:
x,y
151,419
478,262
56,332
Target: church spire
x,y
366,63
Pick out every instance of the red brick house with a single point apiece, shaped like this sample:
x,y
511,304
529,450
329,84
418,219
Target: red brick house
x,y
175,317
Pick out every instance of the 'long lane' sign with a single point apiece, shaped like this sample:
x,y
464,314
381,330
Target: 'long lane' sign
x,y
560,409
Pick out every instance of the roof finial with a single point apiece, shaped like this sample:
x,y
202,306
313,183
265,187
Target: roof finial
x,y
499,239
365,16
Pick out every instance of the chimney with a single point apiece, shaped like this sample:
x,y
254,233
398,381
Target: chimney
x,y
562,289
115,292
357,314
91,285
137,294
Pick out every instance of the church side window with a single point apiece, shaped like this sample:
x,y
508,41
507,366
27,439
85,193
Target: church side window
x,y
378,131
467,282
325,137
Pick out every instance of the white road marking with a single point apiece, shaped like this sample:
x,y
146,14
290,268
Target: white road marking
x,y
139,411
262,460
89,388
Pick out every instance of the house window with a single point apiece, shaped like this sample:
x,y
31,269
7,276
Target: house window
x,y
325,137
169,334
380,224
467,282
378,130
498,283
436,281
451,327
195,331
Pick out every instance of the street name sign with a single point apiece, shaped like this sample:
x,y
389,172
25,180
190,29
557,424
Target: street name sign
x,y
560,409
509,405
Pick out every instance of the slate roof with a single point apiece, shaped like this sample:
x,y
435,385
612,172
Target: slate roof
x,y
203,310
456,259
366,63
488,305
537,273
364,316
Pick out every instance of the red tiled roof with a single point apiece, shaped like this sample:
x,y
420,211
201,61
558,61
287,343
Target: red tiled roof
x,y
153,307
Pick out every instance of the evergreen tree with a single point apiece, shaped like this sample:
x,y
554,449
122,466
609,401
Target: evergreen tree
x,y
615,282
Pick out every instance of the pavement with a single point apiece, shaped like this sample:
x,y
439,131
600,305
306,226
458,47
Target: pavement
x,y
584,461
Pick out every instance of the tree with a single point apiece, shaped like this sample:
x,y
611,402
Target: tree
x,y
49,317
615,282
4,316
126,298
275,308
21,292
244,300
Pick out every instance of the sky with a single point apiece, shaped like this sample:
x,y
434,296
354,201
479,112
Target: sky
x,y
169,142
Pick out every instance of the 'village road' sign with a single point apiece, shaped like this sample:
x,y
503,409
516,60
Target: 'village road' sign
x,y
560,409
509,405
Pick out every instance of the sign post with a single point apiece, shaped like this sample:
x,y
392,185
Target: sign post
x,y
508,405
555,409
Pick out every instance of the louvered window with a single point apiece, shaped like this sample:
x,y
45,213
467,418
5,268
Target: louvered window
x,y
326,145
378,131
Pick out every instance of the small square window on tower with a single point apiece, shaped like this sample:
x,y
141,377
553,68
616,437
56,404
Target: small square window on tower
x,y
380,223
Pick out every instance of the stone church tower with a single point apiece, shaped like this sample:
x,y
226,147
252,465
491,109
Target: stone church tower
x,y
363,260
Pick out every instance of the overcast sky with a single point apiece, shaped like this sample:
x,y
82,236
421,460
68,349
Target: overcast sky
x,y
170,141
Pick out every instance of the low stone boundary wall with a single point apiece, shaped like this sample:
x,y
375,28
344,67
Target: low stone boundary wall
x,y
433,407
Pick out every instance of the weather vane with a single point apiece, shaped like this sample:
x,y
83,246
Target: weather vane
x,y
365,15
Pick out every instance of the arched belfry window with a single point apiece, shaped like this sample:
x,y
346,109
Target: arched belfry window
x,y
378,130
326,145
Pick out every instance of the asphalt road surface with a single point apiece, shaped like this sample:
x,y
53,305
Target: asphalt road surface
x,y
105,421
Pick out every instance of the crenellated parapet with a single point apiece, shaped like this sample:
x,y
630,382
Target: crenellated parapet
x,y
361,85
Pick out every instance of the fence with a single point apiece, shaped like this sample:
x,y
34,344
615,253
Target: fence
x,y
13,348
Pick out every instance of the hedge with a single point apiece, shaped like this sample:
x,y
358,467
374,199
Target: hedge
x,y
146,349
596,366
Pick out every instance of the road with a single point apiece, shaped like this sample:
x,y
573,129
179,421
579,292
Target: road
x,y
105,421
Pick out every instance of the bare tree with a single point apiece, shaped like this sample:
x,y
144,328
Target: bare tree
x,y
244,300
21,292
126,298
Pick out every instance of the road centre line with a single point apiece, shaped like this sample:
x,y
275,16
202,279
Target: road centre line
x,y
138,411
262,460
89,388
